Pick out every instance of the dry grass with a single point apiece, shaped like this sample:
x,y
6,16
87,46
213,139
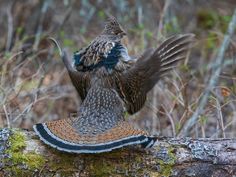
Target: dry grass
x,y
35,87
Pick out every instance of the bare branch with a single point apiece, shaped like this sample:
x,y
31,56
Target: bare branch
x,y
7,116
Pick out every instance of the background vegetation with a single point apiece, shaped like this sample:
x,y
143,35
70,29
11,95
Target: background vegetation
x,y
35,87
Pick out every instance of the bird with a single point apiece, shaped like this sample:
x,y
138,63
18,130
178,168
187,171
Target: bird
x,y
111,83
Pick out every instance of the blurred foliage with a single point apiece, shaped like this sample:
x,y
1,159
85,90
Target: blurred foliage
x,y
209,19
35,84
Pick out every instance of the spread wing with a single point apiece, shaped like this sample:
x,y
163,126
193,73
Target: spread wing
x,y
134,83
80,80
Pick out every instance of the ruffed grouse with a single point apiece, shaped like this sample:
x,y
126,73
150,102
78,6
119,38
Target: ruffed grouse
x,y
109,83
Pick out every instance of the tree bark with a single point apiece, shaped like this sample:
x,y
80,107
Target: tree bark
x,y
23,154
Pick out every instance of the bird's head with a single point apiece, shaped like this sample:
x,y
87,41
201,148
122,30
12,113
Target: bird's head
x,y
112,27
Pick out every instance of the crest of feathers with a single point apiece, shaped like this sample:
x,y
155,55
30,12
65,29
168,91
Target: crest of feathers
x,y
112,27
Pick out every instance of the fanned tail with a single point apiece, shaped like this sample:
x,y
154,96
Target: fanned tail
x,y
61,135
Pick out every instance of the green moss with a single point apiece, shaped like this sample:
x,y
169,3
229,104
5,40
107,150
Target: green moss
x,y
167,165
118,162
17,141
34,161
31,160
155,174
95,164
101,168
64,161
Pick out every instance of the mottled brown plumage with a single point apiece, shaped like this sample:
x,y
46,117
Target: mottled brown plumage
x,y
107,92
106,50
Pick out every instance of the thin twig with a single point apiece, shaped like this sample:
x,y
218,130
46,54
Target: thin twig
x,y
220,117
9,28
215,135
170,119
63,21
87,11
203,130
161,21
154,100
40,25
24,112
213,78
5,66
6,113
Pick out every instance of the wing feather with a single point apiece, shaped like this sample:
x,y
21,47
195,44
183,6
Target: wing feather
x,y
80,80
135,83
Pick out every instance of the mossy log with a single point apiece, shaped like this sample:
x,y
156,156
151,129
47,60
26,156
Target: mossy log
x,y
23,154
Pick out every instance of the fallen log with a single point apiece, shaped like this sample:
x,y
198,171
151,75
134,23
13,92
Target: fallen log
x,y
23,154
